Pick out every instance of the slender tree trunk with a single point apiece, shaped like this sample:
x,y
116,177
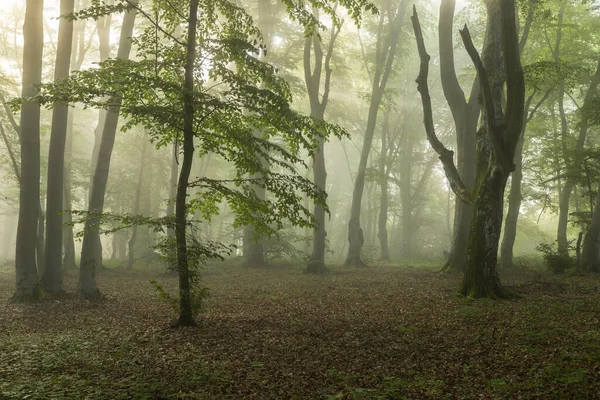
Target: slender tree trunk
x,y
406,199
91,253
186,317
136,206
172,195
590,260
68,236
52,276
382,233
77,58
319,234
27,279
514,205
103,26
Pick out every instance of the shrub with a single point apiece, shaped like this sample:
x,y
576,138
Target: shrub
x,y
553,260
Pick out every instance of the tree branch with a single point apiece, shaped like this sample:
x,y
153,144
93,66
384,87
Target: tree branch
x,y
446,156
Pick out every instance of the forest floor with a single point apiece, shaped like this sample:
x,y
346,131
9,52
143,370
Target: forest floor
x,y
375,333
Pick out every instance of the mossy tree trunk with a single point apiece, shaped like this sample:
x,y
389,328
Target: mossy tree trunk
x,y
481,278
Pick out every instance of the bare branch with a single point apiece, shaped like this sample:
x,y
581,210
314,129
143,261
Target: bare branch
x,y
446,156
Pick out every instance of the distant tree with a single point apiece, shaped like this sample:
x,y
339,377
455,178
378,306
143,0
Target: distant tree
x,y
391,21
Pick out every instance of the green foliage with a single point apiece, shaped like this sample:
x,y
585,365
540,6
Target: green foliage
x,y
555,261
242,110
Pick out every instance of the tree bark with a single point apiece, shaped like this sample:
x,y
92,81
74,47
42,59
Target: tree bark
x,y
27,279
52,276
91,253
186,317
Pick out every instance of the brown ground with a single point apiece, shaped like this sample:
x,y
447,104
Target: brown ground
x,y
376,333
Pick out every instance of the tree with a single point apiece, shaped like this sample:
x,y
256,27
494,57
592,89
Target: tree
x,y
465,115
91,254
27,280
186,317
387,42
52,275
220,110
313,75
497,140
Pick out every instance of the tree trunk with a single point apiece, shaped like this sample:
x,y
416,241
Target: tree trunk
x,y
103,26
68,236
465,115
27,279
514,205
317,263
186,317
39,247
77,58
497,140
91,253
406,199
590,260
382,233
253,246
481,276
172,195
52,276
136,206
